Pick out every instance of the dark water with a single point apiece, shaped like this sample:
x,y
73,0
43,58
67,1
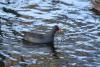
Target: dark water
x,y
78,45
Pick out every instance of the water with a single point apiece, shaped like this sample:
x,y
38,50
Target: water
x,y
76,46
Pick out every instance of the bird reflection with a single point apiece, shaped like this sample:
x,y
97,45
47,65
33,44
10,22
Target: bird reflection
x,y
34,45
53,50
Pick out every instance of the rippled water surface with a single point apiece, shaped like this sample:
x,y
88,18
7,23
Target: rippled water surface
x,y
78,45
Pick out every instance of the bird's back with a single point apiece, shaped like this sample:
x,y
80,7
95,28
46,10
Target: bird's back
x,y
36,37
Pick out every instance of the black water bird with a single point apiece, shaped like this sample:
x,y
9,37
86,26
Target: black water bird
x,y
39,38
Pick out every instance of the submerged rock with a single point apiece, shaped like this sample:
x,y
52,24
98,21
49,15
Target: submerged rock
x,y
96,4
2,64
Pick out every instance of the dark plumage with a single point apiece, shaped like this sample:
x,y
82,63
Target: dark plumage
x,y
40,38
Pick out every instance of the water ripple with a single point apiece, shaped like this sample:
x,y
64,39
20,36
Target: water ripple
x,y
77,45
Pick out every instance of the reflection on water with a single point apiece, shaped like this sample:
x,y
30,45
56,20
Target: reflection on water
x,y
76,46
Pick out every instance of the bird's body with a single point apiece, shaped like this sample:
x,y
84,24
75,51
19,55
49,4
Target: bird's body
x,y
35,37
39,37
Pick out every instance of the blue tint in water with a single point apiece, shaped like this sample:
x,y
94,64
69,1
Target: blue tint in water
x,y
77,45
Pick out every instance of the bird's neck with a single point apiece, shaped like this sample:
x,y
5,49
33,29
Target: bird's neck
x,y
52,33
